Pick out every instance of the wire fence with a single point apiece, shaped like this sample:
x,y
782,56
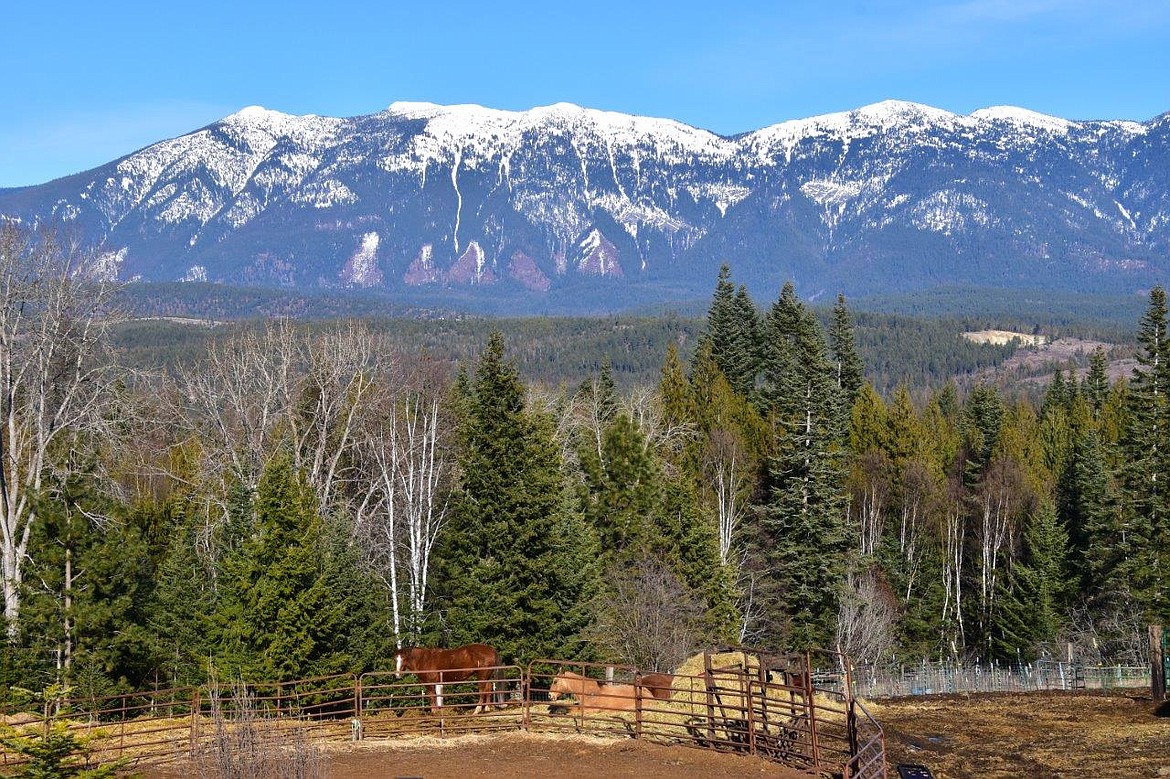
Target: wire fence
x,y
939,678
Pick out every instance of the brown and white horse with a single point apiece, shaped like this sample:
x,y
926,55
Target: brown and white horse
x,y
435,667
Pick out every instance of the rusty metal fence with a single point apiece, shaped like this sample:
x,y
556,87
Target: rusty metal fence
x,y
753,707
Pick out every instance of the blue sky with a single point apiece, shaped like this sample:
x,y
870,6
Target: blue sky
x,y
86,82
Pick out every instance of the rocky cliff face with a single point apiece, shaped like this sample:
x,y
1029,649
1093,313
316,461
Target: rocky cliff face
x,y
421,197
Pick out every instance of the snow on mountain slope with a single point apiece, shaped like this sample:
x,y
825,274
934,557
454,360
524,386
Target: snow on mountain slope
x,y
423,196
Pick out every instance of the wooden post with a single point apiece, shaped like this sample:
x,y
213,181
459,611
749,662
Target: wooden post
x,y
810,701
357,697
1157,664
709,680
638,704
194,738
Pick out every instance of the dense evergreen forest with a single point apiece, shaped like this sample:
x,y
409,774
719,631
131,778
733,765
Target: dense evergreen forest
x,y
565,351
276,500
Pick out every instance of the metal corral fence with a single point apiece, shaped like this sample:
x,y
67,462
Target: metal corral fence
x,y
935,678
738,701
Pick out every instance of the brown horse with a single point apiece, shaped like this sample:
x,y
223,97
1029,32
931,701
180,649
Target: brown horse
x,y
435,667
659,685
592,694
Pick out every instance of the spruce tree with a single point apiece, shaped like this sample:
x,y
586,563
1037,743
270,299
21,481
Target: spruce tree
x,y
291,602
182,605
1087,505
1034,594
515,545
803,540
1147,469
849,368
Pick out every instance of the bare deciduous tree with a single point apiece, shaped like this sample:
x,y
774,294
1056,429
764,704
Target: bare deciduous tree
x,y
236,401
406,468
55,372
726,467
870,482
999,498
649,620
954,533
867,622
324,402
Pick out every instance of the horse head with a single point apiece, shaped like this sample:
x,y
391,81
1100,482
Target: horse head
x,y
401,661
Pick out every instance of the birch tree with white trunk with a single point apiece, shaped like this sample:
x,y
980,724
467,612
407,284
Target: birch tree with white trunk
x,y
55,373
407,468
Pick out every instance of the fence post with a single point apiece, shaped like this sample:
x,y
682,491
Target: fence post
x,y
357,696
709,679
638,688
811,702
1157,664
194,737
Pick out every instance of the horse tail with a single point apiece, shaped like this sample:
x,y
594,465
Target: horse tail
x,y
497,686
497,678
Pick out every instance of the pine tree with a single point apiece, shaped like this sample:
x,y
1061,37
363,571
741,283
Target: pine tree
x,y
515,545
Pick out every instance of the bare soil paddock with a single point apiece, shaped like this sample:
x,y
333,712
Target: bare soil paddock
x,y
1036,734
1039,735
528,756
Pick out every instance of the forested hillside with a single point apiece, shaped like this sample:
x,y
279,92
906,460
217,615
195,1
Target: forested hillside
x,y
281,501
554,351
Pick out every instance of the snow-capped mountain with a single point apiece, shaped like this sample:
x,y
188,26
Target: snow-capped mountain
x,y
586,204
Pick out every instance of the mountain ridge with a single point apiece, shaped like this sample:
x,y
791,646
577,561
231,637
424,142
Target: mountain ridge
x,y
892,196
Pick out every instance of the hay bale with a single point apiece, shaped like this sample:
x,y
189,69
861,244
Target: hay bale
x,y
695,666
20,718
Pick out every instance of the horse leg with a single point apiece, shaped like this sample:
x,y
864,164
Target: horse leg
x,y
481,705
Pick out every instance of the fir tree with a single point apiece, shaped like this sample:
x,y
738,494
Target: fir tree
x,y
732,332
982,424
1096,384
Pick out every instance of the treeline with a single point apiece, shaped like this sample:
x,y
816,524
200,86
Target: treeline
x,y
919,352
300,500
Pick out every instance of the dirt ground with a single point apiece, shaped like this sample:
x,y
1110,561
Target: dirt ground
x,y
1039,735
538,756
1036,735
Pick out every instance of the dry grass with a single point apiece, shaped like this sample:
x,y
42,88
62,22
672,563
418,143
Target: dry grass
x,y
1036,734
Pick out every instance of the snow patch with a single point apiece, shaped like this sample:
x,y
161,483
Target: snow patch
x,y
949,212
361,270
1024,117
195,273
597,256
106,266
